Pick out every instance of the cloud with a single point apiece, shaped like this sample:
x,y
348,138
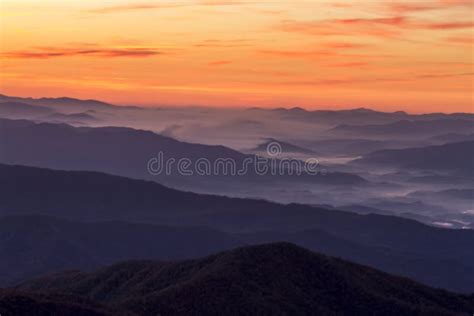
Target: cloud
x,y
343,5
298,53
348,81
379,27
402,7
469,40
449,75
156,5
396,20
133,7
52,52
385,27
456,2
345,45
223,43
324,54
448,25
349,65
420,6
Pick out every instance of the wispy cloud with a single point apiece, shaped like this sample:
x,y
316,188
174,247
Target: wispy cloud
x,y
445,75
466,39
385,27
345,45
157,5
404,8
379,27
400,7
223,43
314,54
52,52
325,54
456,2
349,65
349,81
447,25
132,7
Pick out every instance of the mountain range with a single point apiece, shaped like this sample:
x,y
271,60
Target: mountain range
x,y
87,227
62,105
451,157
277,279
390,243
406,128
127,152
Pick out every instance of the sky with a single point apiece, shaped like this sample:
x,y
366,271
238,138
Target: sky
x,y
407,55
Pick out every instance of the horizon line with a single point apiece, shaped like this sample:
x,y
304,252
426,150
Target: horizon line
x,y
229,107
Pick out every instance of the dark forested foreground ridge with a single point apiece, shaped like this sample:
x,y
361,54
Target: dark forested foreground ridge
x,y
271,279
91,237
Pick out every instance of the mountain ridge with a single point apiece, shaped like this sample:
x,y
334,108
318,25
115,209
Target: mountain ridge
x,y
89,196
278,278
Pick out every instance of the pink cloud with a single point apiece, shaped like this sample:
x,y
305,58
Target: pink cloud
x,y
51,52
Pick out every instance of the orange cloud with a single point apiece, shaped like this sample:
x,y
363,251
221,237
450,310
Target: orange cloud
x,y
404,7
456,2
397,21
411,7
469,40
465,74
387,27
154,5
223,44
48,52
349,65
299,54
322,54
345,45
379,27
349,81
448,25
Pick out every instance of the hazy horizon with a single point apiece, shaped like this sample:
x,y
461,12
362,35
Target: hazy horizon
x,y
224,107
388,55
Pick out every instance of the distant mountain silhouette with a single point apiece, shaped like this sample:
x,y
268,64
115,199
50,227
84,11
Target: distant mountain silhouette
x,y
39,244
286,147
276,279
16,110
39,113
402,246
406,128
97,196
348,147
126,151
82,117
465,194
454,157
453,138
63,104
358,116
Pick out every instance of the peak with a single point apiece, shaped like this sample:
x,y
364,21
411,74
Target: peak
x,y
362,110
297,109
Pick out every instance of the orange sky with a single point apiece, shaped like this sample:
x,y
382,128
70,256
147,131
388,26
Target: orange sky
x,y
390,55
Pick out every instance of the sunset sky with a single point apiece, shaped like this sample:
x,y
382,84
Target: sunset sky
x,y
388,55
